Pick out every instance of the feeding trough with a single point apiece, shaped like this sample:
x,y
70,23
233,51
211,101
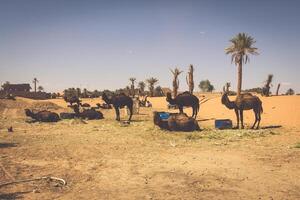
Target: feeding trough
x,y
223,124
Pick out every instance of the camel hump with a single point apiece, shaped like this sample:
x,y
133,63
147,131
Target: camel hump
x,y
122,94
185,93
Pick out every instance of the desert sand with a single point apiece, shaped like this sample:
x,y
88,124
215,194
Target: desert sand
x,y
103,160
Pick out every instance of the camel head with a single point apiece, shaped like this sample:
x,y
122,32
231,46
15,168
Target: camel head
x,y
28,113
105,98
169,97
226,101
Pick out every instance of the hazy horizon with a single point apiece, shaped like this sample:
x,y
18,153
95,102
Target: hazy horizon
x,y
101,44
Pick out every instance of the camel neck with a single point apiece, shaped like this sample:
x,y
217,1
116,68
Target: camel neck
x,y
171,100
229,104
107,100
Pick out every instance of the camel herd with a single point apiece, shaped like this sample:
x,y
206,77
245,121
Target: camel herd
x,y
169,121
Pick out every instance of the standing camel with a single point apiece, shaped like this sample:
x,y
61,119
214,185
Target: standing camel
x,y
243,102
185,99
119,101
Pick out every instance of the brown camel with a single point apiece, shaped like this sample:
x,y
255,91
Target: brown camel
x,y
89,114
43,116
185,99
176,122
243,102
119,101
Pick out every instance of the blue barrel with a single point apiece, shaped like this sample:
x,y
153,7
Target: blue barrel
x,y
223,124
164,115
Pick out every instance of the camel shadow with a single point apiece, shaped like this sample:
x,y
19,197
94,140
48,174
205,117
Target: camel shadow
x,y
203,120
271,127
8,145
143,114
136,120
14,195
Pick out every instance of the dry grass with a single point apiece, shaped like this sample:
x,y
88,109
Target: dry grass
x,y
104,160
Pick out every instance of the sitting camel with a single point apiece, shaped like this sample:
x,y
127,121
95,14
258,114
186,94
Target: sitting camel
x,y
176,122
43,116
89,114
104,106
85,105
65,115
119,101
243,102
185,99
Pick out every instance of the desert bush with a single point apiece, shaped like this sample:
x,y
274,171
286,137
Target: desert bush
x,y
206,86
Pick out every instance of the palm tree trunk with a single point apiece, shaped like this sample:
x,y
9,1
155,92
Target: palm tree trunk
x,y
240,71
277,91
34,86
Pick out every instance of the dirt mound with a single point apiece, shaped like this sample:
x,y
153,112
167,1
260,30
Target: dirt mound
x,y
44,106
10,104
15,109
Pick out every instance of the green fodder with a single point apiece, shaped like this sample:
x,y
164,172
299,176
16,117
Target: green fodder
x,y
231,135
297,145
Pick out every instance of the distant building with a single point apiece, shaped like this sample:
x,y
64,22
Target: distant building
x,y
16,87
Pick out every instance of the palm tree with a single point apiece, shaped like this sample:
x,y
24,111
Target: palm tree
x,y
142,86
151,82
35,81
240,49
277,90
132,80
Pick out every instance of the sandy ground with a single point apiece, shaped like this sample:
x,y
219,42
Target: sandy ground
x,y
103,160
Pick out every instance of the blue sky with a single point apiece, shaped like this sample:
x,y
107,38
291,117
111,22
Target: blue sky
x,y
100,44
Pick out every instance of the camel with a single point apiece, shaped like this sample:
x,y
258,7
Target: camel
x,y
65,115
176,122
119,101
89,114
144,102
43,116
104,106
185,99
85,105
243,102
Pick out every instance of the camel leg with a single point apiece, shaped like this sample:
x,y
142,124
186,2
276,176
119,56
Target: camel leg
x,y
130,110
180,109
194,111
242,119
117,113
259,118
237,118
256,119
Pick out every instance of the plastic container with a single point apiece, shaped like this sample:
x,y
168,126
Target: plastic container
x,y
223,124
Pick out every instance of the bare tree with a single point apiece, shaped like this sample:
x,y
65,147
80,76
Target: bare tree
x,y
267,86
190,79
175,73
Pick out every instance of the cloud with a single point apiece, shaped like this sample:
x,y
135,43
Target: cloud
x,y
202,32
